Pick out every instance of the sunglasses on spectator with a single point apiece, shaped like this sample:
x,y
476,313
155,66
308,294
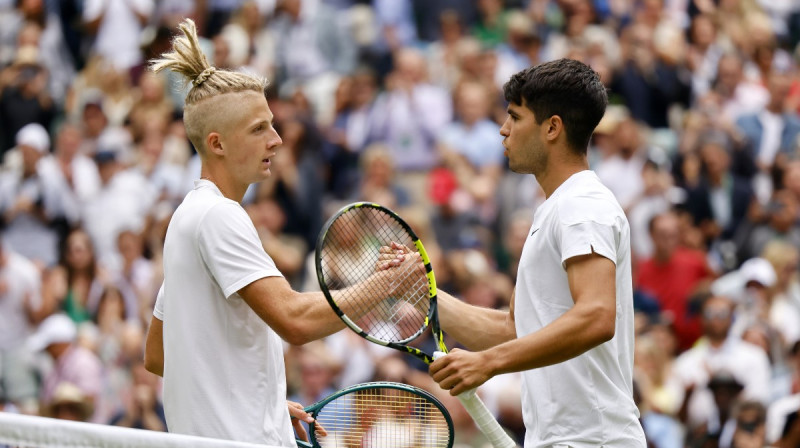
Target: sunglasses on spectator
x,y
718,313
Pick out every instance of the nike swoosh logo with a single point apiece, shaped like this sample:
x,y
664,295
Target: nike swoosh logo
x,y
536,230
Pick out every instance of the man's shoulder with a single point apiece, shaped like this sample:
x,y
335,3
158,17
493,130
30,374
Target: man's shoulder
x,y
588,199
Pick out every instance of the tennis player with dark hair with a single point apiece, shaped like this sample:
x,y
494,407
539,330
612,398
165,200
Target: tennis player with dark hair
x,y
570,326
224,307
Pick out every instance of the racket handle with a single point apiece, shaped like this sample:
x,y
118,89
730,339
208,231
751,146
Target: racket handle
x,y
482,417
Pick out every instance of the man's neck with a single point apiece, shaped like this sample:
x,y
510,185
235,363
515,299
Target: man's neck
x,y
224,183
559,170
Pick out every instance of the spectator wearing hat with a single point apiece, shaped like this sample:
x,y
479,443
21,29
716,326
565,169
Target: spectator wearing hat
x,y
719,350
720,424
31,198
72,363
69,402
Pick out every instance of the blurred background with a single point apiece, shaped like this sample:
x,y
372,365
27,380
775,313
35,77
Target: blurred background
x,y
400,102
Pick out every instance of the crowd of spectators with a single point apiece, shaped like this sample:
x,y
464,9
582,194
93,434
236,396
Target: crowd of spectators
x,y
400,102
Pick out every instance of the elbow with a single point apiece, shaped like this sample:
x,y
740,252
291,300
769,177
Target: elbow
x,y
153,366
602,328
294,333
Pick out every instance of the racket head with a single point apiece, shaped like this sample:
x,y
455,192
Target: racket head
x,y
381,415
346,254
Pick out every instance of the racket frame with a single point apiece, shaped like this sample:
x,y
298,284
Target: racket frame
x,y
315,408
431,320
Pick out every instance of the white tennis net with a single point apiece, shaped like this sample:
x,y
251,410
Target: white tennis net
x,y
39,432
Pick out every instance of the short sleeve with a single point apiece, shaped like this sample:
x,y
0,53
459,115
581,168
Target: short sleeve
x,y
231,248
587,225
158,309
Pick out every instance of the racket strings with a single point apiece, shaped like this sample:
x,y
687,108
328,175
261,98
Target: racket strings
x,y
383,418
350,254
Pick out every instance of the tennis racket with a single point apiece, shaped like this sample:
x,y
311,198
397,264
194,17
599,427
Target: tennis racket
x,y
347,254
380,415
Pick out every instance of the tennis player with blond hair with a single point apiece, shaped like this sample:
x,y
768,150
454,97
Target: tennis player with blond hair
x,y
224,307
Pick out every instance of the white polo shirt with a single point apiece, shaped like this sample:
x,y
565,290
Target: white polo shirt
x,y
223,366
586,401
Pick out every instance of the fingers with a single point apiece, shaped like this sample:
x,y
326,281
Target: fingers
x,y
296,411
300,430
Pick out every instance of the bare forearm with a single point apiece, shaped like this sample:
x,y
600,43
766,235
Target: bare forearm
x,y
474,327
572,334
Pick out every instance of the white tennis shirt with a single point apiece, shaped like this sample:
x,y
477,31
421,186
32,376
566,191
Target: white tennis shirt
x,y
587,401
223,366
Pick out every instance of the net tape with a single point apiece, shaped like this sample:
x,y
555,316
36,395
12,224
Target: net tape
x,y
39,432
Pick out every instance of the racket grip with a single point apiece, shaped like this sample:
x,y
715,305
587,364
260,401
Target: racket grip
x,y
482,417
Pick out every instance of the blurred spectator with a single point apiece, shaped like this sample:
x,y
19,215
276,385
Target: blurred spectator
x,y
772,131
782,413
704,53
143,409
672,275
750,429
312,51
21,309
123,202
662,431
472,148
72,363
82,275
621,169
378,178
409,115
784,311
24,98
116,25
732,96
779,223
717,368
69,402
31,198
719,201
77,174
136,273
350,131
287,251
296,182
648,84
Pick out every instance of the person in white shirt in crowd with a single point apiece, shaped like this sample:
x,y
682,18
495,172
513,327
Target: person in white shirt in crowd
x,y
20,310
117,25
409,116
76,172
719,350
31,197
216,329
123,202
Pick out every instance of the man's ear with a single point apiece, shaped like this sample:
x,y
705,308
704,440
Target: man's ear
x,y
554,127
214,144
